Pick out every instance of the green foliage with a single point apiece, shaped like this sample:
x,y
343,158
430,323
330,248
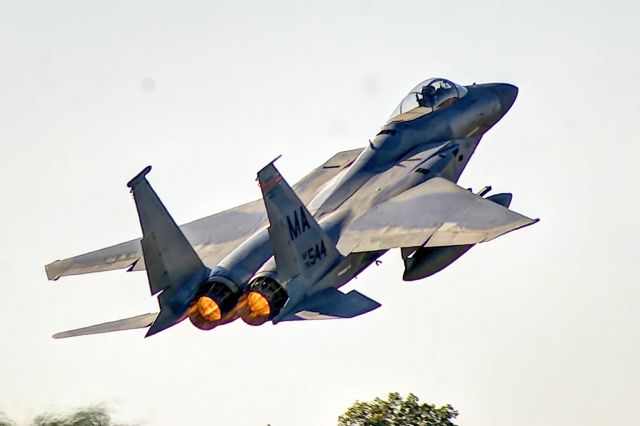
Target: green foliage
x,y
396,411
89,416
4,420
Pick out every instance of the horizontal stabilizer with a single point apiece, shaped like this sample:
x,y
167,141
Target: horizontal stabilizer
x,y
332,304
140,321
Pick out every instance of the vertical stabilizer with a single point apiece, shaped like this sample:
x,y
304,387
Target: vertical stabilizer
x,y
173,267
300,246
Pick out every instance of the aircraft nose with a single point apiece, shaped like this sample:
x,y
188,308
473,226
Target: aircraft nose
x,y
507,94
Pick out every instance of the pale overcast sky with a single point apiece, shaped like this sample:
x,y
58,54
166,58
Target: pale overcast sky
x,y
539,327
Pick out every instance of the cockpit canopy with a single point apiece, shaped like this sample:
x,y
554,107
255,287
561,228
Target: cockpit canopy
x,y
430,95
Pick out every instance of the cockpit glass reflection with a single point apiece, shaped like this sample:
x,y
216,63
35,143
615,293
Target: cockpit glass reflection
x,y
428,96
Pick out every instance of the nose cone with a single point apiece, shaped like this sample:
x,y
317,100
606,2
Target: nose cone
x,y
507,94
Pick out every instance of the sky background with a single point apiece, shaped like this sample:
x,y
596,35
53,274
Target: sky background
x,y
539,327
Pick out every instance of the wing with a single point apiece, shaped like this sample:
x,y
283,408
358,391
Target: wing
x,y
435,213
213,237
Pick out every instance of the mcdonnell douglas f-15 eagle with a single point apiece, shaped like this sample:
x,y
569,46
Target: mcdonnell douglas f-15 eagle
x,y
284,257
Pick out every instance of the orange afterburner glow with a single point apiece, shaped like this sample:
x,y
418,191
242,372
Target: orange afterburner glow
x,y
263,302
254,308
258,304
208,309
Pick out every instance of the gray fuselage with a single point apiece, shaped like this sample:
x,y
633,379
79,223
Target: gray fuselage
x,y
449,135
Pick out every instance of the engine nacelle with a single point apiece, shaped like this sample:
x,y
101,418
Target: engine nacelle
x,y
214,305
263,302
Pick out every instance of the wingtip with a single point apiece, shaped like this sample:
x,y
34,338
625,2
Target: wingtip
x,y
270,164
53,270
275,159
63,335
139,177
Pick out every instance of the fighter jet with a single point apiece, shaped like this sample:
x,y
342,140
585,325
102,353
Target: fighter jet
x,y
285,256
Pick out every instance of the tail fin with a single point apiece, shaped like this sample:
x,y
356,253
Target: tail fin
x,y
173,267
299,244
